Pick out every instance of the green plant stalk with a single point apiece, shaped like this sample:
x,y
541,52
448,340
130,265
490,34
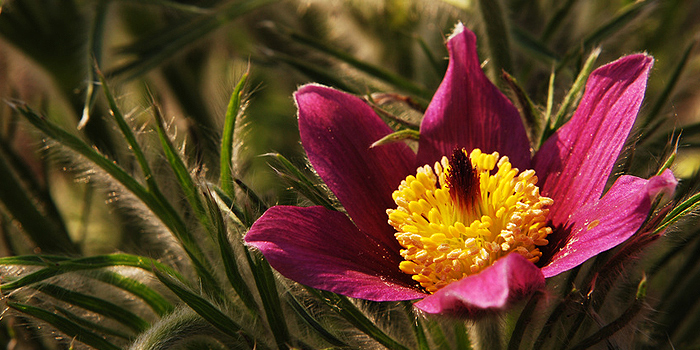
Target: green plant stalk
x,y
523,321
461,336
128,135
226,162
65,325
437,335
418,331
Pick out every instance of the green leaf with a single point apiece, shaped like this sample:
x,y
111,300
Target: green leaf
x,y
300,182
397,136
377,72
232,111
201,306
571,97
605,31
314,72
174,5
48,235
686,207
96,305
556,19
155,300
532,119
663,97
310,320
497,37
613,327
267,288
92,325
461,336
65,325
58,265
523,321
153,51
165,212
228,257
417,326
345,308
533,45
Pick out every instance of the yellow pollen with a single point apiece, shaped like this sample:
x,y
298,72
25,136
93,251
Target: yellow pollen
x,y
456,218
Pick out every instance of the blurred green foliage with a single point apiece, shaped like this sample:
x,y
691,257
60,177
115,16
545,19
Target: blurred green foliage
x,y
86,173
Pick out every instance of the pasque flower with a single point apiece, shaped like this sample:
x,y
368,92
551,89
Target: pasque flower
x,y
472,221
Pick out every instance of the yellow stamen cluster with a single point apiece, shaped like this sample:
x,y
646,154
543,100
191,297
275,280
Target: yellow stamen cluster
x,y
449,231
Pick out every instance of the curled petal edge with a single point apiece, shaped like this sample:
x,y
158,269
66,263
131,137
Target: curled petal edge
x,y
508,280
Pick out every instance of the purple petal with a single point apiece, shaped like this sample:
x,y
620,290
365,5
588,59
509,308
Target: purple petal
x,y
322,248
574,164
607,222
508,280
468,111
336,131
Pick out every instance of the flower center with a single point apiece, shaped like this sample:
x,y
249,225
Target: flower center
x,y
457,218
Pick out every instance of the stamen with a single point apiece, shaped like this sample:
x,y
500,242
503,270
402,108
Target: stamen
x,y
457,218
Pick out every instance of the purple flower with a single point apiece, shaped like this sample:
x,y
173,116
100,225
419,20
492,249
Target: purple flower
x,y
444,220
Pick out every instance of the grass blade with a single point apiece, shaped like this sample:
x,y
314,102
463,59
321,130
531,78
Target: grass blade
x,y
66,326
55,267
661,100
267,288
47,235
201,306
92,325
313,323
679,211
571,96
605,31
345,308
155,50
497,37
300,182
96,305
228,257
232,111
165,212
391,78
153,299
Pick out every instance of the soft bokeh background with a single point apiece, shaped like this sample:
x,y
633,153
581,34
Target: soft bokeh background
x,y
187,56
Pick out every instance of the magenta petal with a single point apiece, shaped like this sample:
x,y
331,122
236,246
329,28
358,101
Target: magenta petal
x,y
468,111
605,223
508,280
322,248
574,164
336,131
